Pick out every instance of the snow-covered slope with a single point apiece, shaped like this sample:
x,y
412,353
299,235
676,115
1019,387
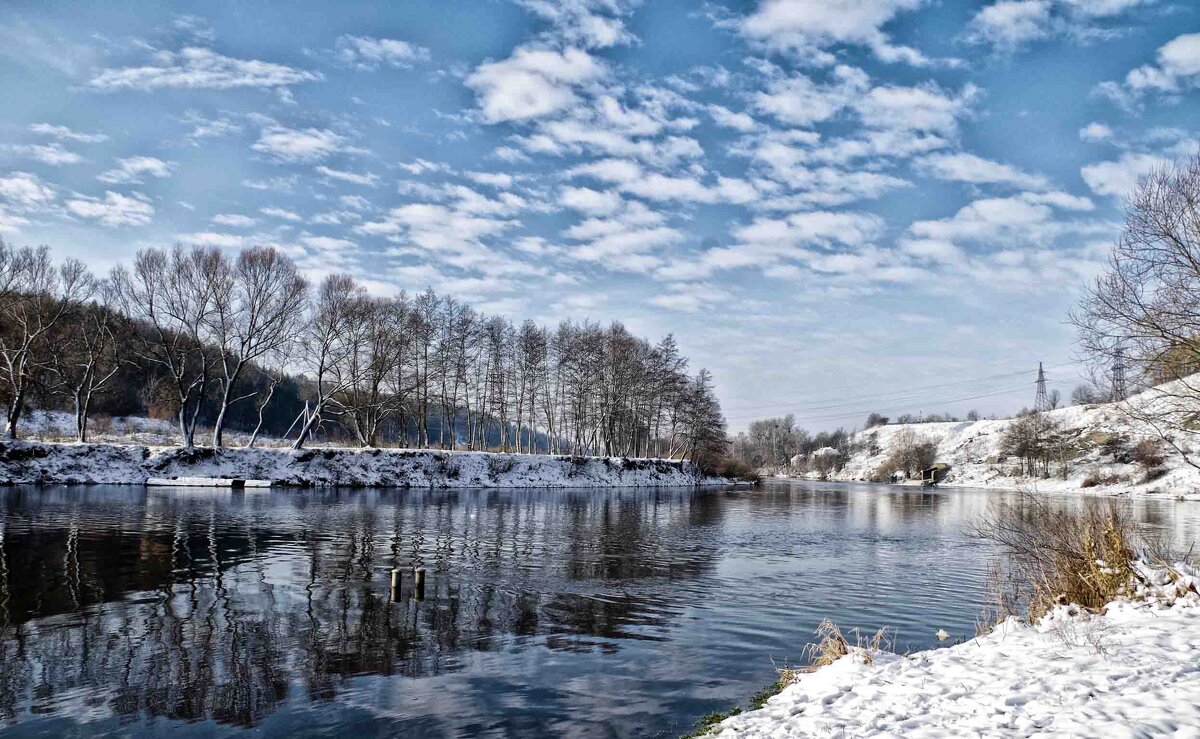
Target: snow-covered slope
x,y
1130,671
1100,437
50,463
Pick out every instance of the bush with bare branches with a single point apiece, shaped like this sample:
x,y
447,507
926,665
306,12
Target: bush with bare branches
x,y
1143,308
1059,555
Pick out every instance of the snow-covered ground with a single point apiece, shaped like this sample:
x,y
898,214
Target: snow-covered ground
x,y
42,425
1131,671
974,451
54,463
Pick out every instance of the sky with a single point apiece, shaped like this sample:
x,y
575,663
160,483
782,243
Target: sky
x,y
836,206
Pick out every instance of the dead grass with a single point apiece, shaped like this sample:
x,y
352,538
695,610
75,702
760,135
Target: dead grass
x,y
1059,554
833,645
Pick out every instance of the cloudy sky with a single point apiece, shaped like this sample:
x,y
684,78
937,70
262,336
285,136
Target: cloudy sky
x,y
835,205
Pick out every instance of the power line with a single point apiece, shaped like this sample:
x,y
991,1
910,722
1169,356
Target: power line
x,y
859,413
891,397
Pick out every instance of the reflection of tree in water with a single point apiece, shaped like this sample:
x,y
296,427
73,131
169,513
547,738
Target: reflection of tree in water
x,y
214,607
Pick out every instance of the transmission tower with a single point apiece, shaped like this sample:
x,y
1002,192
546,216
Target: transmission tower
x,y
1041,402
1118,375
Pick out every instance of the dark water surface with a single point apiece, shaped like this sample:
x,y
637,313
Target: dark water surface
x,y
546,613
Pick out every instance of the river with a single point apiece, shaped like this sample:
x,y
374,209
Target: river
x,y
127,611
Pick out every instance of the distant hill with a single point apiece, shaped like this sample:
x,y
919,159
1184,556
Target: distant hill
x,y
1104,449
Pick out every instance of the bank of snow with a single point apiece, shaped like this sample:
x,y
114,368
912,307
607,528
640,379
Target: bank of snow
x,y
1100,436
1130,671
51,463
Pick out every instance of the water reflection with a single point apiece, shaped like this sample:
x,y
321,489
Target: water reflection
x,y
543,613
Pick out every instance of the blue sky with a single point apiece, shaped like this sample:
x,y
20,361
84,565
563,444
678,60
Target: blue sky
x,y
835,205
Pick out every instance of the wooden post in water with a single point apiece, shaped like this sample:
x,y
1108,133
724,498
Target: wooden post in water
x,y
419,580
395,590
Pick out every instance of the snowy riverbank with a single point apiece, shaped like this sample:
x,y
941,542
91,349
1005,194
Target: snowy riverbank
x,y
52,463
1131,671
1099,437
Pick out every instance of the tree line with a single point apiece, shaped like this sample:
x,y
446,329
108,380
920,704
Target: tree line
x,y
224,341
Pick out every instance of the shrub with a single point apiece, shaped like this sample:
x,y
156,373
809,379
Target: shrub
x,y
1094,479
1037,440
1147,454
735,469
1063,555
910,454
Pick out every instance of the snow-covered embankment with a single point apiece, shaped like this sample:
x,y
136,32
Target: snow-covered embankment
x,y
1098,440
51,463
1129,671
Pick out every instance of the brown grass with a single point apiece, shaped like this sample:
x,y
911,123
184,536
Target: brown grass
x,y
833,645
1060,555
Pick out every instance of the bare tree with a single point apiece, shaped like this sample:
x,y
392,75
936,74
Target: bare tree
x,y
36,296
87,352
326,346
172,298
1145,310
258,308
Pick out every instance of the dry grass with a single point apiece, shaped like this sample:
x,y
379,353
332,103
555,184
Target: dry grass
x,y
1060,555
833,645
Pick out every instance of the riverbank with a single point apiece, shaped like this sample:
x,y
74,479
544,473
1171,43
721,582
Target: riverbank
x,y
1103,449
45,463
1128,671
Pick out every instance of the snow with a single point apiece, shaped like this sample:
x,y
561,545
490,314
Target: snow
x,y
973,450
53,463
1129,671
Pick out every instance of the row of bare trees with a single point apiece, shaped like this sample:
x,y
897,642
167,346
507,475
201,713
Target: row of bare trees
x,y
424,370
404,361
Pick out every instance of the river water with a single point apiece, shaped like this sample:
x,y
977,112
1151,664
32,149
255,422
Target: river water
x,y
131,612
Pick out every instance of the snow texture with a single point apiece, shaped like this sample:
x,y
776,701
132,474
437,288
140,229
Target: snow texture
x,y
1131,671
1100,433
24,462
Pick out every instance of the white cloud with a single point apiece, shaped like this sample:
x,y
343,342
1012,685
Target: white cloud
x,y
501,180
25,190
211,238
965,167
927,108
53,154
131,170
1009,23
366,53
532,83
727,118
807,27
588,200
280,213
234,220
1094,132
206,128
591,23
1178,67
65,134
200,68
289,145
114,209
801,101
367,179
1118,178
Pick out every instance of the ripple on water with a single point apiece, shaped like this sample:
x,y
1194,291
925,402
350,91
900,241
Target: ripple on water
x,y
584,612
